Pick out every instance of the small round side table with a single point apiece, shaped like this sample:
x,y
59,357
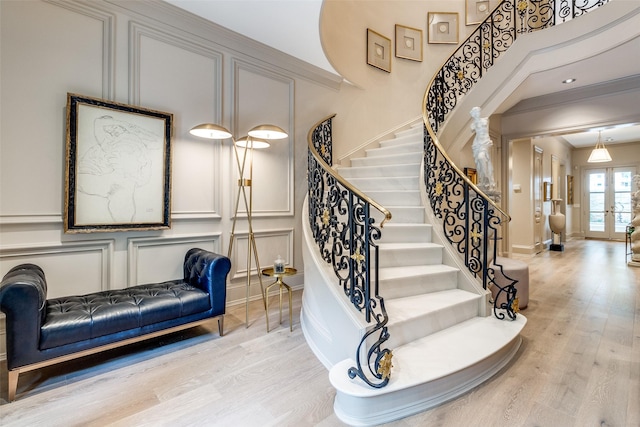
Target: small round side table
x,y
288,271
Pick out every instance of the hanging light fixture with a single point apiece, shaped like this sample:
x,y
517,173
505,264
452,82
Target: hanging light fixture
x,y
600,153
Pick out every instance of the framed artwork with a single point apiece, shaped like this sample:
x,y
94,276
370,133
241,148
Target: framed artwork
x,y
569,189
118,167
378,50
476,11
443,27
408,43
472,174
546,187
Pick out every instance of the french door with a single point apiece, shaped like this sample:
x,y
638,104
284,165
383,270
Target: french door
x,y
608,202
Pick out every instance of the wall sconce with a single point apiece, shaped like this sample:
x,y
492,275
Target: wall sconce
x,y
256,139
600,153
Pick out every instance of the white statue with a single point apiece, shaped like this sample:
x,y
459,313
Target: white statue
x,y
481,148
635,222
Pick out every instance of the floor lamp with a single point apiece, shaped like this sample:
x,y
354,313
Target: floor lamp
x,y
256,139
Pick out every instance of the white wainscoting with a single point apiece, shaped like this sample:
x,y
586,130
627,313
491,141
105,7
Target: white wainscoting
x,y
153,260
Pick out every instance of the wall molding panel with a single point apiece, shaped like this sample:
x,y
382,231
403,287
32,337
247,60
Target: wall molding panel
x,y
263,96
108,41
270,244
158,259
92,261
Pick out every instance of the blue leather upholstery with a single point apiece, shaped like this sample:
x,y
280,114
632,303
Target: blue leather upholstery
x,y
39,329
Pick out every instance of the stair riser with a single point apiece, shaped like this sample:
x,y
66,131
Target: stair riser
x,y
416,285
404,332
398,159
417,233
391,149
396,198
403,138
380,171
408,257
372,184
403,214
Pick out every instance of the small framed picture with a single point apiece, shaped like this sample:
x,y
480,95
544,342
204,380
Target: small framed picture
x,y
477,10
408,43
472,174
443,27
547,191
378,50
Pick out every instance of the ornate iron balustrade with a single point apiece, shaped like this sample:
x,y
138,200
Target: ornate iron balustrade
x,y
471,221
345,233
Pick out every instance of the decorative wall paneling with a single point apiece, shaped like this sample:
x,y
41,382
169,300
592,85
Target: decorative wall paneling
x,y
262,96
152,260
163,69
157,56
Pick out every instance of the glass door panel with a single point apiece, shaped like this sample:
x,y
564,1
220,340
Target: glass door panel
x,y
608,202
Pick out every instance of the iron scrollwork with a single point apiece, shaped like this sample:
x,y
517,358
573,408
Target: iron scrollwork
x,y
345,232
470,221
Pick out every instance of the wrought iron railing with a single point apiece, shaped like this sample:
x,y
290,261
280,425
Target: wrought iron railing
x,y
471,220
345,232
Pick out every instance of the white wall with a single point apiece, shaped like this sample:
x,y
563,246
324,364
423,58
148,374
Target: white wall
x,y
363,114
155,56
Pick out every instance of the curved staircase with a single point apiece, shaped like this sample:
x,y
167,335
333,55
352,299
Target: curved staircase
x,y
442,343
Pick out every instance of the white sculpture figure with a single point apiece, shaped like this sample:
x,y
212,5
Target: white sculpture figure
x,y
635,222
481,151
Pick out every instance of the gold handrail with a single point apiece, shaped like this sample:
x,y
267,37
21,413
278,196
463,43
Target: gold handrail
x,y
436,142
340,179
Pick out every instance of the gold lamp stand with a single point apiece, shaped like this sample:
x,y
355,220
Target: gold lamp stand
x,y
256,139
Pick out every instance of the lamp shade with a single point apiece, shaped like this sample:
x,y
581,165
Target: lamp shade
x,y
267,132
600,154
257,143
210,131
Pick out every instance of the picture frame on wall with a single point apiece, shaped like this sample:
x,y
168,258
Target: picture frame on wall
x,y
443,27
378,50
118,167
476,11
472,174
547,188
569,189
408,43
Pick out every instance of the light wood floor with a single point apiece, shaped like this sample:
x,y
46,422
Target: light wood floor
x,y
579,365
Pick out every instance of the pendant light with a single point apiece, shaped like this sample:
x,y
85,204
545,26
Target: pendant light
x,y
600,153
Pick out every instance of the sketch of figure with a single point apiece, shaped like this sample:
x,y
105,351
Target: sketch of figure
x,y
118,165
481,148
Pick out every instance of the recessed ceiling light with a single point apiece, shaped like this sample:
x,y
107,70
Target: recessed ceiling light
x,y
567,81
609,139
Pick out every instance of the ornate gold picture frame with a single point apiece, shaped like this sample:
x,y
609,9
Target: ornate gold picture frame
x,y
118,169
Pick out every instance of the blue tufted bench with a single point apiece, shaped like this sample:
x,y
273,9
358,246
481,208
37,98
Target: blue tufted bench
x,y
43,332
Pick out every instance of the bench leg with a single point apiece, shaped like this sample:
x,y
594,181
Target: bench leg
x,y
221,325
13,384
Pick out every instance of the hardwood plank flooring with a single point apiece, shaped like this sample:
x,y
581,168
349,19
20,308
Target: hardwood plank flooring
x,y
579,365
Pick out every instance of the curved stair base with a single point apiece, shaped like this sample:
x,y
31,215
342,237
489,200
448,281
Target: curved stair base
x,y
429,371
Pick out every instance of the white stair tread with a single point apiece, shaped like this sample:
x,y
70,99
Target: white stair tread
x,y
409,245
435,356
389,273
401,309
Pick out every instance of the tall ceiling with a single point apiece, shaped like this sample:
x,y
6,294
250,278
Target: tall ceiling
x,y
292,26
